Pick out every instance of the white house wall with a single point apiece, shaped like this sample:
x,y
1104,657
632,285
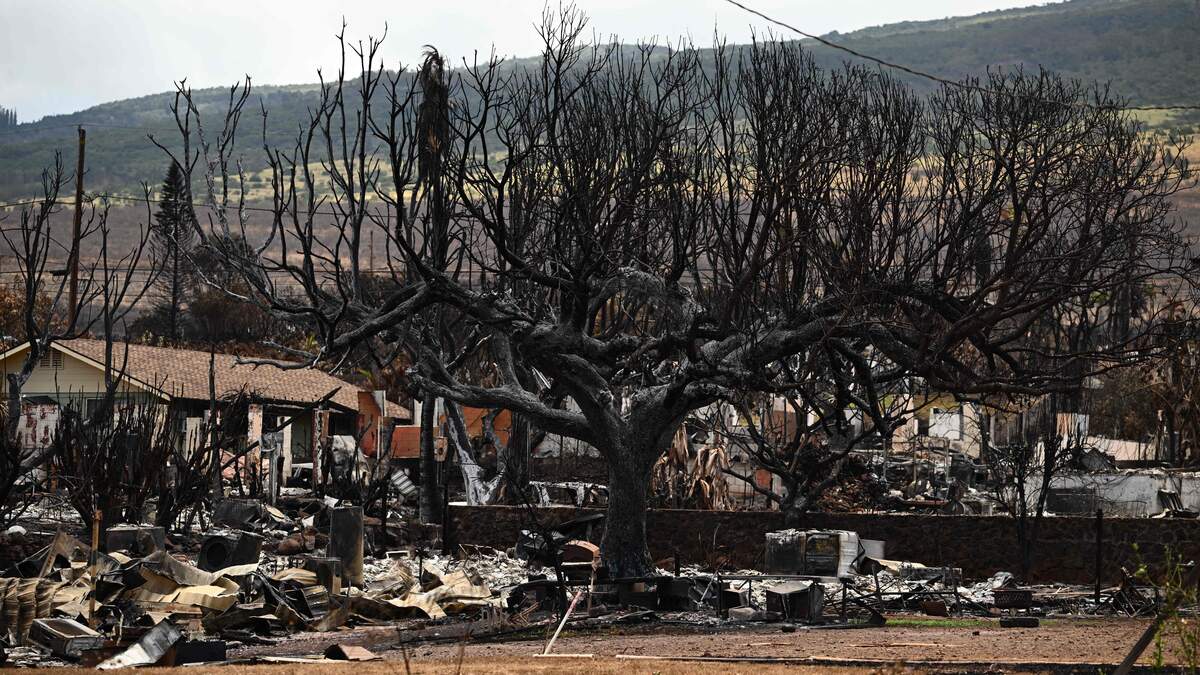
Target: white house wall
x,y
73,378
1128,494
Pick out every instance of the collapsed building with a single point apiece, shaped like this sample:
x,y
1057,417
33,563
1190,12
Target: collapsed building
x,y
265,573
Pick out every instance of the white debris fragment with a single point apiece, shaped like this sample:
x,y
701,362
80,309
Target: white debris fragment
x,y
496,568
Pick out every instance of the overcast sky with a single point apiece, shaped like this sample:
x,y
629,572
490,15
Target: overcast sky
x,y
60,56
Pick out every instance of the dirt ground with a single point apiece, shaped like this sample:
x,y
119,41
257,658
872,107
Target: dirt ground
x,y
907,639
925,645
502,666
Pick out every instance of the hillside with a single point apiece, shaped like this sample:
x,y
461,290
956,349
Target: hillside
x,y
1146,49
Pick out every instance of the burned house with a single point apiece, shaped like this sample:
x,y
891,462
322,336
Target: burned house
x,y
292,410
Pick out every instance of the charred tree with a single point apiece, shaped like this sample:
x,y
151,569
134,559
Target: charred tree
x,y
665,229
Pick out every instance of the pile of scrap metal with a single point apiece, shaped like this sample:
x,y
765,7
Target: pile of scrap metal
x,y
300,524
936,481
905,586
891,585
863,577
569,493
1173,506
858,575
571,567
434,594
111,609
68,602
543,546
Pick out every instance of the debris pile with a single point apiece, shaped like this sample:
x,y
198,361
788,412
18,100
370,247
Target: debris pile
x,y
142,604
147,602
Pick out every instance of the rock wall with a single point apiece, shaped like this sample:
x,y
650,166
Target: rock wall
x,y
980,545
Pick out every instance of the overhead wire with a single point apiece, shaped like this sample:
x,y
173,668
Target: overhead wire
x,y
143,200
103,125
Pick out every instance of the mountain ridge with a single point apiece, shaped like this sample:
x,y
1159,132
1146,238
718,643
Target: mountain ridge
x,y
1146,50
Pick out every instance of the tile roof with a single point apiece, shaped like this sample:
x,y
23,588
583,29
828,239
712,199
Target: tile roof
x,y
183,373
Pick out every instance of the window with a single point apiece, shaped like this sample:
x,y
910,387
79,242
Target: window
x,y
52,360
946,423
91,405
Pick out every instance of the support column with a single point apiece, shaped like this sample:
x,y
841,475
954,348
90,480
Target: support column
x,y
254,429
320,432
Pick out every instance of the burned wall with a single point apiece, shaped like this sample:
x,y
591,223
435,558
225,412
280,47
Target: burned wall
x,y
980,545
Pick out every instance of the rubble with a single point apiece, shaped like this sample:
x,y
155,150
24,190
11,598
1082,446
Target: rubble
x,y
797,600
349,653
137,540
267,573
139,606
147,651
221,550
66,638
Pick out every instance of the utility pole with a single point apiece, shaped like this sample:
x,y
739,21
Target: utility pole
x,y
73,293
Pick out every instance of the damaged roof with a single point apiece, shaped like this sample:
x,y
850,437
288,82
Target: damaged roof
x,y
183,373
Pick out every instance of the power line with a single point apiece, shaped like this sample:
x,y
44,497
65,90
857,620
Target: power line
x,y
935,78
127,126
30,130
143,200
10,205
104,125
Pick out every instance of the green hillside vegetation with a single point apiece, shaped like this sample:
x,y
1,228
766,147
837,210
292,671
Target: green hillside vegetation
x,y
1147,49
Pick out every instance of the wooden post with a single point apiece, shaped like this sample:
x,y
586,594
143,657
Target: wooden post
x,y
1099,552
95,566
73,263
216,490
720,596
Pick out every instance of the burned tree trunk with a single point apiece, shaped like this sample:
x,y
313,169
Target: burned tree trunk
x,y
513,458
430,502
631,445
624,545
479,490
